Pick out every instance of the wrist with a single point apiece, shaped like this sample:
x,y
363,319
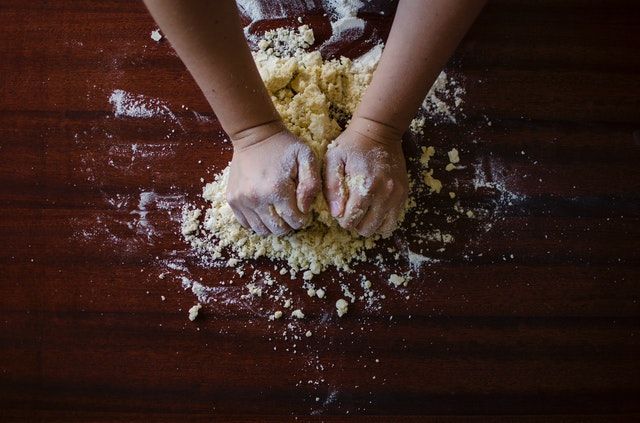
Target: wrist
x,y
255,134
375,130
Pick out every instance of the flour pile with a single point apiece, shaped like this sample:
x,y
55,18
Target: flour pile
x,y
315,98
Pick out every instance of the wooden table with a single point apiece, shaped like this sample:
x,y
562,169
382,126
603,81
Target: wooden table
x,y
534,316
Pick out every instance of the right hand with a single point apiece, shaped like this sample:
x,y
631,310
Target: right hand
x,y
272,184
365,178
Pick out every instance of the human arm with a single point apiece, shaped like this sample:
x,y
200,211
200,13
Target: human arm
x,y
274,176
423,37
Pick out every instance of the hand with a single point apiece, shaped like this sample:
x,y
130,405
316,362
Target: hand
x,y
365,178
272,183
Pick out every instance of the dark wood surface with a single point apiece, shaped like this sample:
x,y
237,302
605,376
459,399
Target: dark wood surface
x,y
535,319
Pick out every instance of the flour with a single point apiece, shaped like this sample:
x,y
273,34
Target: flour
x,y
257,10
349,26
343,8
443,102
369,60
126,104
417,260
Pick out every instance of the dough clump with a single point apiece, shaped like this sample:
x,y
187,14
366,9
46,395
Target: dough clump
x,y
315,99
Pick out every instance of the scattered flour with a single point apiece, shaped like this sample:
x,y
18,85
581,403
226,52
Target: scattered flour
x,y
258,10
417,260
138,106
343,8
346,26
444,102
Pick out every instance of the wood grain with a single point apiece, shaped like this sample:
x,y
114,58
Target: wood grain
x,y
535,319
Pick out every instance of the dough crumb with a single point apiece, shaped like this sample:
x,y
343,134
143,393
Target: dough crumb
x,y
454,157
308,333
399,280
417,125
193,312
156,35
427,154
434,184
254,290
342,306
298,314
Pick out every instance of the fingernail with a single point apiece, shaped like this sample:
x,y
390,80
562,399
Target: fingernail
x,y
335,208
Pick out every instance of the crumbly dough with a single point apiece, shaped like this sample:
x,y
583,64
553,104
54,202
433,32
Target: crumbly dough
x,y
193,312
314,97
342,306
399,280
454,156
156,35
435,185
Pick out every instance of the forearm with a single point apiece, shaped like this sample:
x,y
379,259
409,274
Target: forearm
x,y
423,37
208,37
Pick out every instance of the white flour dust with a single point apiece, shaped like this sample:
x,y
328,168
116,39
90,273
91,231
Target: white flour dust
x,y
137,106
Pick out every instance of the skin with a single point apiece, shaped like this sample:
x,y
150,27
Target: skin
x,y
274,176
423,36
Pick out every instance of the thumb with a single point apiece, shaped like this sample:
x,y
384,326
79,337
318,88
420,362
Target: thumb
x,y
308,180
334,183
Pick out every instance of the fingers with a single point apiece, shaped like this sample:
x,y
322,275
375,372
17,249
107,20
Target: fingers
x,y
389,223
372,220
334,184
309,181
240,216
390,220
273,221
256,223
266,222
386,201
357,207
288,211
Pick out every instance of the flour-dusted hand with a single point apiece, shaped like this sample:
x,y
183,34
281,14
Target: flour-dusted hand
x,y
272,183
365,178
